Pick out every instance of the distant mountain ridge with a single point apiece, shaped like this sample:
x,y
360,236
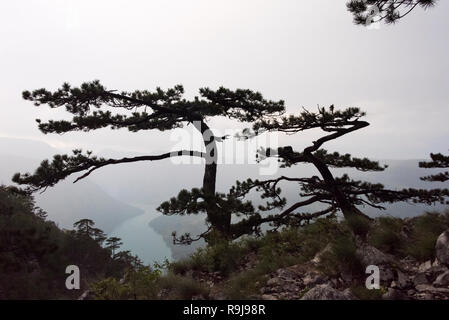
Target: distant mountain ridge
x,y
155,182
65,203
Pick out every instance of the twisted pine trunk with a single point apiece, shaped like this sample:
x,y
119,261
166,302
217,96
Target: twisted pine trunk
x,y
348,209
220,221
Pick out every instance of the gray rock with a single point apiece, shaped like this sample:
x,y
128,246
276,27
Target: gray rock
x,y
311,279
370,255
423,267
420,279
403,281
431,289
85,295
442,280
425,296
411,292
318,257
324,292
436,263
434,272
269,297
386,275
274,282
348,293
442,248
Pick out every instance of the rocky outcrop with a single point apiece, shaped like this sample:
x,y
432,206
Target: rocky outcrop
x,y
404,279
291,283
400,279
326,292
442,280
442,248
370,255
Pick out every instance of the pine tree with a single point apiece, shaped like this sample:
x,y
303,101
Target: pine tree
x,y
94,107
329,193
438,161
85,227
98,235
113,243
389,11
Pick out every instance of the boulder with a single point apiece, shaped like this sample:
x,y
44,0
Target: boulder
x,y
434,272
424,296
324,292
403,281
386,275
442,280
275,282
420,279
423,267
431,289
311,279
442,248
348,293
370,255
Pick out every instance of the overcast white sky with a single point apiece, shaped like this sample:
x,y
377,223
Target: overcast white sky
x,y
305,52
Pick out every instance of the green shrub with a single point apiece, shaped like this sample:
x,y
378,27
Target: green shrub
x,y
139,284
341,258
245,284
181,288
222,257
363,293
358,224
425,230
386,235
110,289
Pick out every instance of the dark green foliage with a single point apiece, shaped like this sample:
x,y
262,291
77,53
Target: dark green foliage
x,y
386,235
359,225
330,238
414,237
274,250
34,252
91,105
362,293
181,288
222,257
245,284
342,258
425,230
113,244
438,161
140,282
161,109
328,193
366,12
338,160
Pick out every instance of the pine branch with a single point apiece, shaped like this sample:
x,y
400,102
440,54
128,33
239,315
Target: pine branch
x,y
50,173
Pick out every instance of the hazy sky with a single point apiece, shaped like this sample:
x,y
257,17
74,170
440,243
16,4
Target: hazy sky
x,y
305,52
